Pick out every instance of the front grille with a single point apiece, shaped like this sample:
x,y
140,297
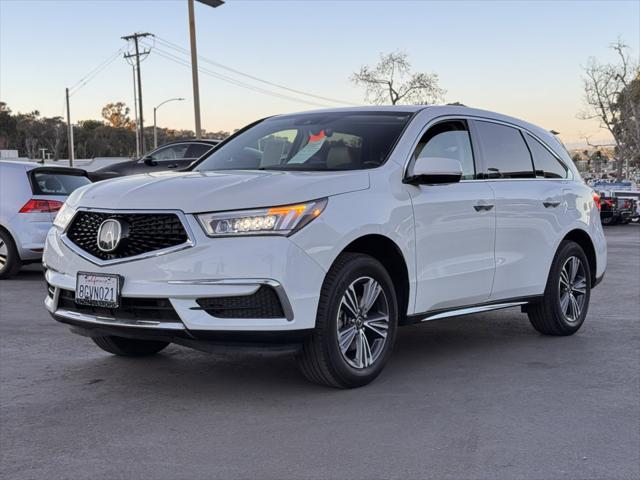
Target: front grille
x,y
156,309
264,303
147,232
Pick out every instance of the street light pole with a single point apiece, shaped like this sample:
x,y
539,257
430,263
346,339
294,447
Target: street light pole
x,y
155,127
69,131
194,60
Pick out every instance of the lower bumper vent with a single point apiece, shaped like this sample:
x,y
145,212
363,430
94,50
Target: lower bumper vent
x,y
264,303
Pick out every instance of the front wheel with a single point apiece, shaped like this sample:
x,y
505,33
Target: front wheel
x,y
128,347
355,325
566,297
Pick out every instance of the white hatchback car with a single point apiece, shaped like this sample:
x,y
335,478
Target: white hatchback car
x,y
30,196
324,231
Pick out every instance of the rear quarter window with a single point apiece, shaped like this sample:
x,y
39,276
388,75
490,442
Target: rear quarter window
x,y
546,164
49,183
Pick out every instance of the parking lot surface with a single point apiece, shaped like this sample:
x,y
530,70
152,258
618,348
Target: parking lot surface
x,y
472,397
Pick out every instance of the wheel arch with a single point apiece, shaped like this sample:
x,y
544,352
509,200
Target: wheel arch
x,y
583,239
387,252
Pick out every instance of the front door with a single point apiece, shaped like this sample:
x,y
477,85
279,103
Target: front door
x,y
454,225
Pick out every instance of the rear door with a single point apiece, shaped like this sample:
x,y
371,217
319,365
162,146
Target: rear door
x,y
530,209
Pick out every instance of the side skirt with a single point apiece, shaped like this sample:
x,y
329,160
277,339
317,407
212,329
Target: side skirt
x,y
469,309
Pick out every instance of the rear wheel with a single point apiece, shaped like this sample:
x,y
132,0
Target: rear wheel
x,y
355,325
9,259
128,347
566,298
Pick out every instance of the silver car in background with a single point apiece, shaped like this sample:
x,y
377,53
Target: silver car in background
x,y
30,197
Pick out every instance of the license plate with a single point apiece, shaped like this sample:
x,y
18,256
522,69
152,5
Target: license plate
x,y
98,289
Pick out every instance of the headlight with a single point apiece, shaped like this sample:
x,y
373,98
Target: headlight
x,y
264,221
64,216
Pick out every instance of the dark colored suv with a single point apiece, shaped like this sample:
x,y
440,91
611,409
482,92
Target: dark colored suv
x,y
170,156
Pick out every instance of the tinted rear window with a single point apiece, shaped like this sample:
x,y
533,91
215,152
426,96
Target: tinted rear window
x,y
49,183
546,164
505,153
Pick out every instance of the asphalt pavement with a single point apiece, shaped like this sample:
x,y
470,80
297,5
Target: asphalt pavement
x,y
476,397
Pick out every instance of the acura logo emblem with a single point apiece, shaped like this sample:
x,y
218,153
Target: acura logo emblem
x,y
109,235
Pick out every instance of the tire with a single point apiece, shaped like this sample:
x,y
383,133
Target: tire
x,y
606,221
128,347
367,341
9,259
566,298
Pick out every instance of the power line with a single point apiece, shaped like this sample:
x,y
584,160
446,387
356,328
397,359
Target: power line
x,y
238,83
252,77
95,72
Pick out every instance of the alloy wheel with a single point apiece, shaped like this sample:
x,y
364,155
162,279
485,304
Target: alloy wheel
x,y
573,289
363,323
4,254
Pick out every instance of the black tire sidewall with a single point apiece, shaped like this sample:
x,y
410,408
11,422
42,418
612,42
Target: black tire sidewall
x,y
360,266
13,259
568,249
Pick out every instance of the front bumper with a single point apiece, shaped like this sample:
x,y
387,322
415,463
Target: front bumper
x,y
209,268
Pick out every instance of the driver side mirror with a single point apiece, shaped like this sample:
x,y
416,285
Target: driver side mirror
x,y
149,161
434,170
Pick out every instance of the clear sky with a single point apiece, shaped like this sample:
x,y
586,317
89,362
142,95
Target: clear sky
x,y
519,58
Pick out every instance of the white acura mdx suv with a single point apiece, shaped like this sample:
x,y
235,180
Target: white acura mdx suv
x,y
322,232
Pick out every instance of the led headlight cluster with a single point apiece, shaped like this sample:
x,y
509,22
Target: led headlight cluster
x,y
64,216
264,221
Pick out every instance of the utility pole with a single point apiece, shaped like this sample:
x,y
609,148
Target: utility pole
x,y
69,131
135,37
194,69
194,59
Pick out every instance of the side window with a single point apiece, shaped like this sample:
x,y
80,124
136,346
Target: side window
x,y
504,151
171,152
546,165
196,150
449,140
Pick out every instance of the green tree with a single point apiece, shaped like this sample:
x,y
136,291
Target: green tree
x,y
117,115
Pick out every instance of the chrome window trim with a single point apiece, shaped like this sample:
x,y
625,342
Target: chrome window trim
x,y
277,286
464,117
156,253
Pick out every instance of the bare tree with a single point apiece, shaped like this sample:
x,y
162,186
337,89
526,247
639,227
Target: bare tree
x,y
612,97
391,81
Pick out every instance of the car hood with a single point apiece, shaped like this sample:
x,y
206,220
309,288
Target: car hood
x,y
194,192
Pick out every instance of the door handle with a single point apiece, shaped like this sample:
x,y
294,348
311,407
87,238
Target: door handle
x,y
173,165
550,203
483,207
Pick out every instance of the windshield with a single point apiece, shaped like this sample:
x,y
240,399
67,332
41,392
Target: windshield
x,y
317,141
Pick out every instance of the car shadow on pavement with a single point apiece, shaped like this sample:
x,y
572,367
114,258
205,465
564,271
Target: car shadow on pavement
x,y
486,341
